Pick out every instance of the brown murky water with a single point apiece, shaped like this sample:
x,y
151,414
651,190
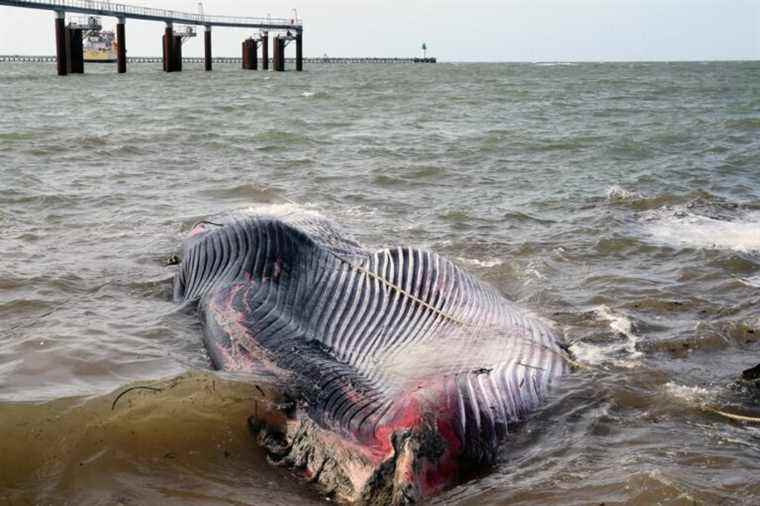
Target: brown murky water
x,y
622,201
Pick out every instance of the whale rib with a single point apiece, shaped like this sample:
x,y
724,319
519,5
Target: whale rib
x,y
383,351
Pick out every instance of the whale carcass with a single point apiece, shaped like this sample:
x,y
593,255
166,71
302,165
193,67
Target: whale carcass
x,y
399,372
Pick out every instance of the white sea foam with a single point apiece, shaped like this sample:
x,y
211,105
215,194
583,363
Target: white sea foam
x,y
619,193
681,227
618,324
753,281
691,395
533,273
611,353
307,94
487,263
280,209
592,354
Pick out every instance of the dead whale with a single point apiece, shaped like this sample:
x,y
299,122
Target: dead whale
x,y
399,372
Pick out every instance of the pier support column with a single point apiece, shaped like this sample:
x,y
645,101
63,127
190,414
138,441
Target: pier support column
x,y
275,53
178,53
278,53
207,48
249,54
169,52
265,50
283,42
60,43
74,51
121,47
299,50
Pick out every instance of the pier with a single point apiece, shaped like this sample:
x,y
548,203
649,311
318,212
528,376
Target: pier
x,y
69,53
229,60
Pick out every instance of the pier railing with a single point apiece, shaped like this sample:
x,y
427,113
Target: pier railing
x,y
104,8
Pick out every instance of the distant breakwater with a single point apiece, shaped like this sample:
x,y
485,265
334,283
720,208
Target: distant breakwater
x,y
225,59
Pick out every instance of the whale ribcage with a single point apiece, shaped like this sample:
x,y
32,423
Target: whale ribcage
x,y
358,329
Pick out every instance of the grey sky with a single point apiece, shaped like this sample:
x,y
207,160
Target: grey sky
x,y
459,30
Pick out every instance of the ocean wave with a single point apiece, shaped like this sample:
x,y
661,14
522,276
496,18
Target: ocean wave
x,y
639,201
752,123
280,137
248,191
526,218
681,227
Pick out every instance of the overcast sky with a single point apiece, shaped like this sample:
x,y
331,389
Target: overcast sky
x,y
456,30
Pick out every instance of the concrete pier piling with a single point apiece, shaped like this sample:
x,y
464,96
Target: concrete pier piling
x,y
265,50
207,48
121,48
74,51
60,43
